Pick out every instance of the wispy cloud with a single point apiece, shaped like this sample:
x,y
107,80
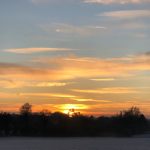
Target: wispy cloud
x,y
134,25
106,2
58,95
57,69
72,29
10,84
35,50
103,79
91,100
113,90
127,14
92,67
49,84
116,1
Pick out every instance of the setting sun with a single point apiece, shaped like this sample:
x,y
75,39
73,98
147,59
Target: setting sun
x,y
72,108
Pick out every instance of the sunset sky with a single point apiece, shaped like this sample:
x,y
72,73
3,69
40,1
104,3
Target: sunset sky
x,y
91,55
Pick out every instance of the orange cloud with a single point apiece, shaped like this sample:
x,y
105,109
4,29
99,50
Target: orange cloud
x,y
5,95
91,100
64,68
10,84
113,90
35,50
59,95
103,79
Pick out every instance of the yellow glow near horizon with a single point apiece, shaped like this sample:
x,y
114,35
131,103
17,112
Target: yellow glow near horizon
x,y
77,107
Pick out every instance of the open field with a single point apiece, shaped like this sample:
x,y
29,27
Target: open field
x,y
74,143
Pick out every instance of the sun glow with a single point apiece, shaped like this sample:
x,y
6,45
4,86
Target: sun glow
x,y
67,108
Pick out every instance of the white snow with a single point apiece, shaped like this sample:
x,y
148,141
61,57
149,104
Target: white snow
x,y
74,143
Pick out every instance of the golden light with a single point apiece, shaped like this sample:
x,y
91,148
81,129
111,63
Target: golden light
x,y
71,108
67,107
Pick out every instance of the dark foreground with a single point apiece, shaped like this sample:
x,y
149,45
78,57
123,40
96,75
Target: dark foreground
x,y
44,124
74,143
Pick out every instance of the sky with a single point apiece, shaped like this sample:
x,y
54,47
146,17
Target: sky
x,y
90,55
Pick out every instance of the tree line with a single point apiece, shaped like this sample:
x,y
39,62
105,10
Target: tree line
x,y
57,124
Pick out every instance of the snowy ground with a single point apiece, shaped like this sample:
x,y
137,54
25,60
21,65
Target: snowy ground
x,y
74,143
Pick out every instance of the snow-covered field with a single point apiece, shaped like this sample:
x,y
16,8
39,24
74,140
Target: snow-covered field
x,y
74,143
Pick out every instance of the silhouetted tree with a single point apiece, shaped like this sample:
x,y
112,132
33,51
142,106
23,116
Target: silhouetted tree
x,y
133,111
131,121
26,109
